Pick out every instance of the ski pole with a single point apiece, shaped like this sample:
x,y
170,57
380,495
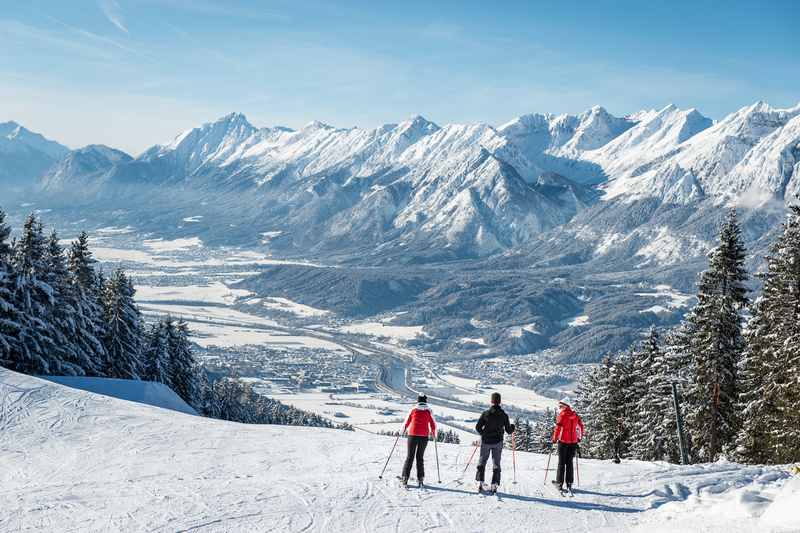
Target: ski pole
x,y
436,450
390,454
547,468
475,449
514,454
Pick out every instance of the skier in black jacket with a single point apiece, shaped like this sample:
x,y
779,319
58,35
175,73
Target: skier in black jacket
x,y
490,426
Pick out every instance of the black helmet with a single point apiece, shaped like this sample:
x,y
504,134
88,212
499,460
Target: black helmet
x,y
422,398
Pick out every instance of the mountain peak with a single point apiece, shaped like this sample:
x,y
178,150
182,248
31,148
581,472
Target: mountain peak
x,y
318,125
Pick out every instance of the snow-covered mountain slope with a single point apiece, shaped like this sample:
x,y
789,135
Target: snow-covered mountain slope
x,y
657,134
84,170
747,158
77,461
25,155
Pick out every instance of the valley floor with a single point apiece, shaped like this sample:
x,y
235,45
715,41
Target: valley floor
x,y
76,461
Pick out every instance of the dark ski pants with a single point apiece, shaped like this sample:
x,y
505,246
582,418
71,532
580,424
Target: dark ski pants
x,y
496,450
416,449
566,455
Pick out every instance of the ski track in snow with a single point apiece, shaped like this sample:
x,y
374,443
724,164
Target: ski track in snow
x,y
71,460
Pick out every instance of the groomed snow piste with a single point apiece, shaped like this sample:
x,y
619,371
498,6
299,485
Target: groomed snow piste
x,y
71,460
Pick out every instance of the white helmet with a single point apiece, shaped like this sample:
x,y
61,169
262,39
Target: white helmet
x,y
565,401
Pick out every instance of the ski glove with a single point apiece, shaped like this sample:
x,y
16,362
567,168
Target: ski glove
x,y
513,428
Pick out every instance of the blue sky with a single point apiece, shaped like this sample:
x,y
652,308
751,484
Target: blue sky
x,y
131,73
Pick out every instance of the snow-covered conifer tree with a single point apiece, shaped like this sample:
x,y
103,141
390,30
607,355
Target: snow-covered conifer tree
x,y
156,354
89,325
182,367
11,318
123,332
717,346
769,387
36,345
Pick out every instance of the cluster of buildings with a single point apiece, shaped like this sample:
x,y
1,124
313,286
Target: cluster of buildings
x,y
295,370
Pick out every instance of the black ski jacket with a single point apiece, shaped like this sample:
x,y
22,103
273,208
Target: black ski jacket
x,y
491,424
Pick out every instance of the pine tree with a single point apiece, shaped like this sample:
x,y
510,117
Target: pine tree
x,y
123,331
770,370
654,423
36,346
541,435
69,357
10,316
89,329
609,416
717,346
156,355
182,366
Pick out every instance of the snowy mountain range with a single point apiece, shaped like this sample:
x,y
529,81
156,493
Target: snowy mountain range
x,y
424,191
464,190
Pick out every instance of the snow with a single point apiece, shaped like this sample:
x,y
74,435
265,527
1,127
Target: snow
x,y
214,292
144,392
679,157
113,230
674,299
666,248
518,331
282,304
581,320
228,336
467,340
222,258
378,329
267,236
472,392
161,245
77,461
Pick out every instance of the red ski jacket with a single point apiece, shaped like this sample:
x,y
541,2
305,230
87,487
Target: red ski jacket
x,y
420,420
569,427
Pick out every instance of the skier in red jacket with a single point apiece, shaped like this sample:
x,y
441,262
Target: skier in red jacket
x,y
567,433
419,425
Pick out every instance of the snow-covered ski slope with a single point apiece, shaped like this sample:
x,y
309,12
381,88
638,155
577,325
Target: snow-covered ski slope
x,y
71,460
146,392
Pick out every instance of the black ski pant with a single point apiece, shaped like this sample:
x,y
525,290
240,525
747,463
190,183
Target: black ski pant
x,y
416,449
496,450
566,455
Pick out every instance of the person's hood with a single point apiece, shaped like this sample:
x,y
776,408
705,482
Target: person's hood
x,y
422,407
495,408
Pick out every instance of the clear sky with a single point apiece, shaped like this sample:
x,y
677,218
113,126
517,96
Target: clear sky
x,y
132,73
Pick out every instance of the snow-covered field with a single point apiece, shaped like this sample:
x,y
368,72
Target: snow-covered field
x,y
376,412
379,329
77,461
513,396
214,292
